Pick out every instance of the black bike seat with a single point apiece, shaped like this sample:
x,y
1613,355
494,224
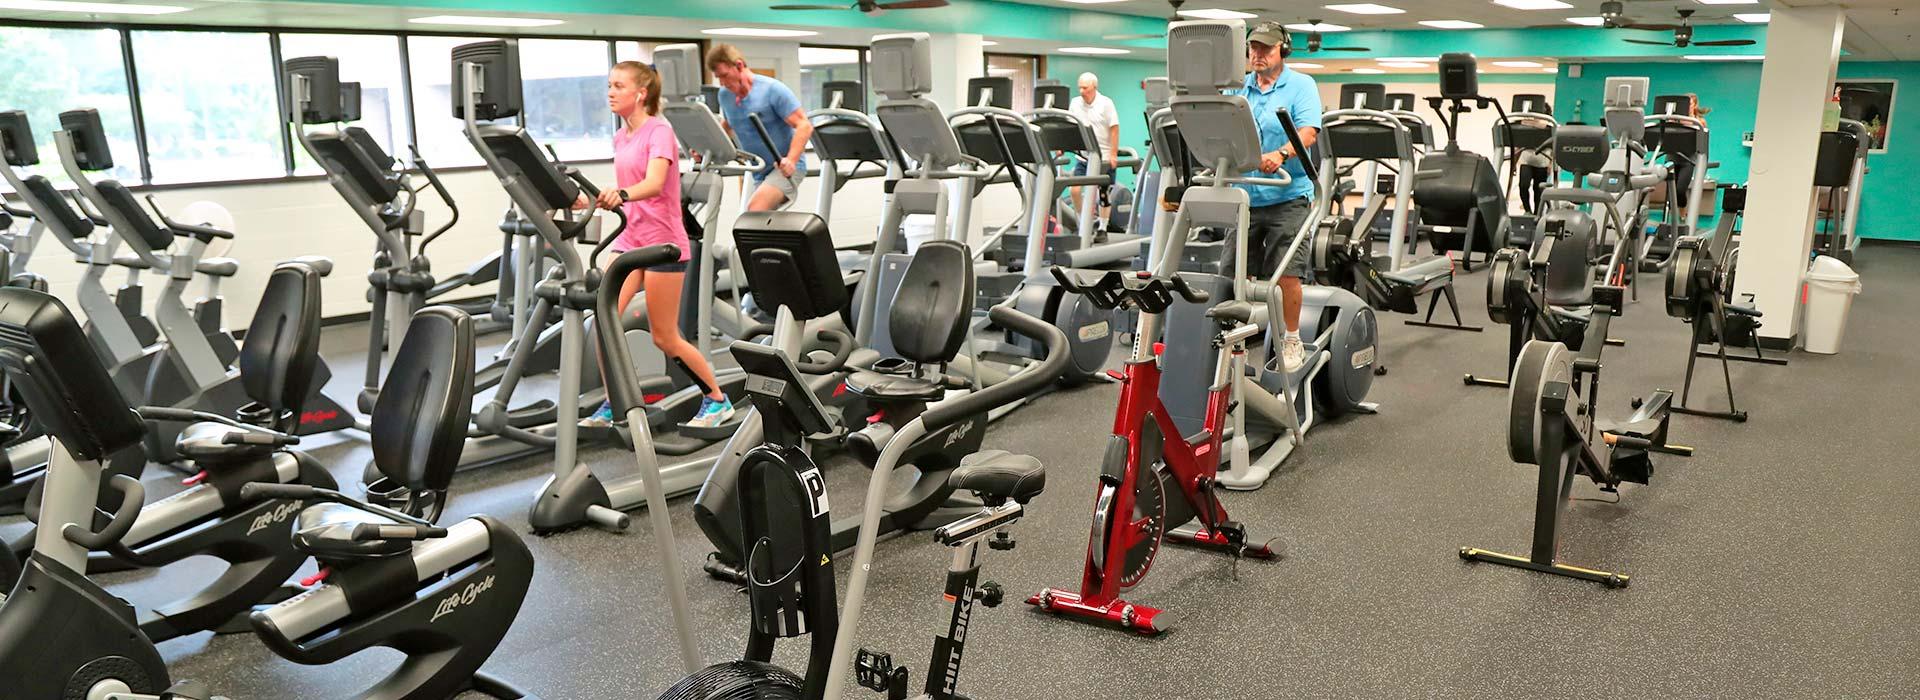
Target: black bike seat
x,y
1236,312
1000,475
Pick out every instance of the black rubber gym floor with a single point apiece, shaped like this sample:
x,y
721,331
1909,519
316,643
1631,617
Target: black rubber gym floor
x,y
1775,563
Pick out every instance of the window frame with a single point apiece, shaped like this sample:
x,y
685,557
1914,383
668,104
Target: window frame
x,y
125,31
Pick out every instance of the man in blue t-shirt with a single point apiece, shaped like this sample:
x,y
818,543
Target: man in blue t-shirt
x,y
1279,213
744,95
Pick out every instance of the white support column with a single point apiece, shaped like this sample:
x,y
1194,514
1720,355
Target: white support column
x,y
1803,51
957,58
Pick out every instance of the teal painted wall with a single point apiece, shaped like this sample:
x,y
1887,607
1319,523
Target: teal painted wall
x,y
1732,92
1119,81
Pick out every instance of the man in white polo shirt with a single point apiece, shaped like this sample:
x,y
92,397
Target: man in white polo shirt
x,y
1097,111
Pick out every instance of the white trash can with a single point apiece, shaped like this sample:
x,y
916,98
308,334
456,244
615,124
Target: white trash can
x,y
1830,289
917,229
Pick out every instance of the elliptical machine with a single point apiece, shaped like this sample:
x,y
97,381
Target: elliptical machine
x,y
1275,407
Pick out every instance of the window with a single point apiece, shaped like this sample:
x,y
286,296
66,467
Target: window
x,y
439,136
371,60
1024,70
47,71
209,105
822,65
564,83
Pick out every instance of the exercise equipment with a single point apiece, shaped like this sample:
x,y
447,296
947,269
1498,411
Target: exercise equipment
x,y
1462,204
436,595
1841,168
195,376
1673,131
1275,407
1363,132
1700,292
1522,133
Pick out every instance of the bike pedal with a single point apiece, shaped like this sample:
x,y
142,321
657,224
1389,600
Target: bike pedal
x,y
1001,542
873,670
991,594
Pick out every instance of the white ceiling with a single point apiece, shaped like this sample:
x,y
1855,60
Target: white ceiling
x,y
1876,29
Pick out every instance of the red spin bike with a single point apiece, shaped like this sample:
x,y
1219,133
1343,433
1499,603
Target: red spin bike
x,y
1142,468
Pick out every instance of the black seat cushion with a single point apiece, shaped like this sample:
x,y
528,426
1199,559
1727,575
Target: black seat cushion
x,y
419,424
1235,312
1569,272
325,532
999,474
928,319
882,386
282,349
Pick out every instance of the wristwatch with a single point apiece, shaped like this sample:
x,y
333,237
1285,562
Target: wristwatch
x,y
624,197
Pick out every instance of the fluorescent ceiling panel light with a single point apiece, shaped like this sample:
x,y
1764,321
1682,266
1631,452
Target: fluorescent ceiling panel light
x,y
1094,51
758,32
1550,70
1754,17
1366,8
1588,21
1303,64
1216,14
97,8
1533,4
1728,2
1323,27
1408,59
1093,2
1450,24
1722,57
1368,71
989,42
1405,64
1517,64
477,21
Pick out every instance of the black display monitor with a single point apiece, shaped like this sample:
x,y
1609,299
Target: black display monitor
x,y
997,92
1400,101
90,150
499,90
1459,76
790,261
1363,96
349,102
1681,105
852,95
322,97
773,383
1537,104
1061,95
16,139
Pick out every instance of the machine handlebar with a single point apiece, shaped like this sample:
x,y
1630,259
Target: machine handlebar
x,y
1020,385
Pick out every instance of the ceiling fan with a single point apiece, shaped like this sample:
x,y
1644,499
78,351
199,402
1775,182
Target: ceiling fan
x,y
870,6
1683,34
1313,42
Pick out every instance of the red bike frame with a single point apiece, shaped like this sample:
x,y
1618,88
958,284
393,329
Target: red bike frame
x,y
1194,462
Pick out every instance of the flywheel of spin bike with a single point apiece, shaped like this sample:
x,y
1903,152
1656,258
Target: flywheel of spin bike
x,y
1149,512
1507,283
1540,363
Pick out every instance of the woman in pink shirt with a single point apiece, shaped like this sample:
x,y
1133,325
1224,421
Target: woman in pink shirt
x,y
646,165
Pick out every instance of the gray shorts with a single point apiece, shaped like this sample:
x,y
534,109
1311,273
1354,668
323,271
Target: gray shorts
x,y
789,186
1271,229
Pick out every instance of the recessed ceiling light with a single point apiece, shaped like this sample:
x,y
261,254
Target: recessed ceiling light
x,y
1303,64
476,21
758,31
1368,71
1517,64
1216,14
1405,64
1094,51
1723,57
1728,2
1533,4
1588,21
98,8
1754,17
1451,24
1366,8
1407,59
989,42
1322,27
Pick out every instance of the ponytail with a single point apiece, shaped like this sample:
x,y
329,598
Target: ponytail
x,y
647,78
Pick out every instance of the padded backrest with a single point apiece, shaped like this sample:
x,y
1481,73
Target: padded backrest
x,y
928,319
64,217
51,363
282,348
1569,272
120,199
419,423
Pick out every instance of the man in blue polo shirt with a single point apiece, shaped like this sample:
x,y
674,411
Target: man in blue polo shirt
x,y
1279,213
744,95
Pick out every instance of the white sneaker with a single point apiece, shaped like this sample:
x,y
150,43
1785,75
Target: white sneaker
x,y
1293,354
